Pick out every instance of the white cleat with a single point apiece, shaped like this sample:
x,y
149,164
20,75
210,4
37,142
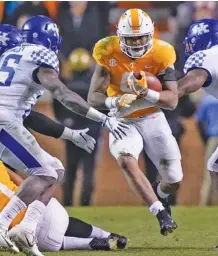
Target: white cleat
x,y
25,240
5,241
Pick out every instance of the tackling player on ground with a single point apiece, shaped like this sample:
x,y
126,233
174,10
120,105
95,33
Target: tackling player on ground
x,y
113,86
56,230
24,72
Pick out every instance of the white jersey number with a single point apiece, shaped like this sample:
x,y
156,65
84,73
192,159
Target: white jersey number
x,y
7,69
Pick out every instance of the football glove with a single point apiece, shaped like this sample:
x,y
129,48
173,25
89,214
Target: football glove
x,y
115,127
126,100
80,138
137,85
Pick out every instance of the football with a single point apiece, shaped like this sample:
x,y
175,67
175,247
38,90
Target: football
x,y
153,82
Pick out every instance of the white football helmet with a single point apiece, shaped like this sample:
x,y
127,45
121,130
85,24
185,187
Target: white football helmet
x,y
135,30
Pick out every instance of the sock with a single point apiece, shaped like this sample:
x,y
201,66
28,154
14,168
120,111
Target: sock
x,y
75,243
10,211
33,215
161,193
156,207
99,233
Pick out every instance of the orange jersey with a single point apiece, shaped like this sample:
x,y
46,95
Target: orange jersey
x,y
107,53
7,189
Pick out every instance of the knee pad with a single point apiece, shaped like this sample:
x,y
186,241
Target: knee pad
x,y
171,171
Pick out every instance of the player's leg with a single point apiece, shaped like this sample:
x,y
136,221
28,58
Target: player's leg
x,y
126,151
57,231
212,166
163,150
80,229
33,216
38,188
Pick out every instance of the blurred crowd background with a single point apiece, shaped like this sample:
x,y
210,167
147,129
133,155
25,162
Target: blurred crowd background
x,y
95,179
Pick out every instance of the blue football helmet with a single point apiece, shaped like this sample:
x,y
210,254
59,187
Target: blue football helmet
x,y
202,35
10,37
42,30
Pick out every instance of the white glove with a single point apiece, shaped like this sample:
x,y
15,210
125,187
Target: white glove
x,y
80,138
137,85
113,112
115,127
121,101
126,100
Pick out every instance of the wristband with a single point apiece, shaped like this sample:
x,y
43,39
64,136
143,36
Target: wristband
x,y
67,134
152,96
95,115
111,102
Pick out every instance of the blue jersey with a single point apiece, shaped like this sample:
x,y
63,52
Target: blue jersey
x,y
19,90
207,60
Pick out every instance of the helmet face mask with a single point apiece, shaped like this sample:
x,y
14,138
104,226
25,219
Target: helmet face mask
x,y
136,46
135,31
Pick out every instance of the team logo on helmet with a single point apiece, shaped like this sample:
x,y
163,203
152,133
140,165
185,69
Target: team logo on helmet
x,y
53,27
201,28
4,38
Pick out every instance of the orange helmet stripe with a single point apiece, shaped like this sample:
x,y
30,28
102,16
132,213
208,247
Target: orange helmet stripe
x,y
135,19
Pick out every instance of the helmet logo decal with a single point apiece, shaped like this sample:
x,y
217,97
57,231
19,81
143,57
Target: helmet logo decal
x,y
53,27
201,28
3,38
135,19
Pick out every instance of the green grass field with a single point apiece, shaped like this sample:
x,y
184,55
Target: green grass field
x,y
197,233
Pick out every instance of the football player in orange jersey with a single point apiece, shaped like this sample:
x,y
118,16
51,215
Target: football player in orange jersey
x,y
113,86
56,230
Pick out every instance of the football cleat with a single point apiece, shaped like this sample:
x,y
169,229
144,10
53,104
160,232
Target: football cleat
x,y
25,240
5,241
121,240
164,201
105,244
167,224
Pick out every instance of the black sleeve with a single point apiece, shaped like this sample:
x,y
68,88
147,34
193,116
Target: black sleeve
x,y
43,124
78,228
169,74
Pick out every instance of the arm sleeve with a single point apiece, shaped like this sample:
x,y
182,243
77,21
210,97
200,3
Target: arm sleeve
x,y
169,74
201,60
44,125
43,57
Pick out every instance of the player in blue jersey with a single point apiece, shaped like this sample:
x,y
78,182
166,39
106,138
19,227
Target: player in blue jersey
x,y
201,69
25,71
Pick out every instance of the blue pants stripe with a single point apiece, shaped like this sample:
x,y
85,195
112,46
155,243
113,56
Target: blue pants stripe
x,y
18,150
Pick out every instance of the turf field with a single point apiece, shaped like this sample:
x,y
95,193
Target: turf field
x,y
197,233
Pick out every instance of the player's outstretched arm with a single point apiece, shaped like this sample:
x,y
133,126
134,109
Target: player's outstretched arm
x,y
49,79
53,129
192,81
49,128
